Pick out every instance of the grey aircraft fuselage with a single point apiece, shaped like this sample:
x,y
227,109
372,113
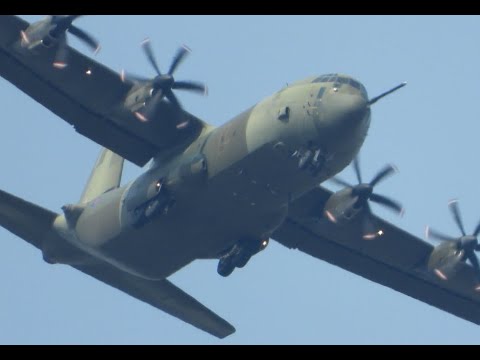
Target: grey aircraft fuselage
x,y
234,182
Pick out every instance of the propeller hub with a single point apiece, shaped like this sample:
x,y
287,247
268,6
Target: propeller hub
x,y
164,82
364,191
468,243
61,23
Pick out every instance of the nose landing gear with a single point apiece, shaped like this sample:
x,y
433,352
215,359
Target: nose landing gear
x,y
311,159
239,255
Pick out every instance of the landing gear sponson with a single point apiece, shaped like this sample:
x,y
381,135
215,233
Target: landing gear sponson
x,y
239,255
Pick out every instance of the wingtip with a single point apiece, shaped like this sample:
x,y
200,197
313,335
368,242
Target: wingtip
x,y
187,48
452,201
395,168
227,333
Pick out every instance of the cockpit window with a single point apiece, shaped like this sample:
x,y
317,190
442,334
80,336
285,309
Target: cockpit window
x,y
338,80
321,92
358,86
324,78
355,84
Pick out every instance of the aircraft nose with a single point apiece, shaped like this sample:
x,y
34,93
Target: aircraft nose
x,y
346,109
343,119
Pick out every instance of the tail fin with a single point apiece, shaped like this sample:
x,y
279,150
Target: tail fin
x,y
106,175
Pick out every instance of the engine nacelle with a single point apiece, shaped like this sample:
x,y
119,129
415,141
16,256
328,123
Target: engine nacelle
x,y
38,33
444,260
157,191
137,98
342,207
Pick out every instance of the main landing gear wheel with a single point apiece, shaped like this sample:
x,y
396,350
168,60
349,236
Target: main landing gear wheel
x,y
305,159
225,267
152,208
242,260
239,255
311,160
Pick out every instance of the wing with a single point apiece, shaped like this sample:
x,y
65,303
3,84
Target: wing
x,y
397,260
164,296
34,224
93,102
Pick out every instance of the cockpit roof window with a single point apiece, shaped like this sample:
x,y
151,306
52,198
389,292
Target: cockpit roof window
x,y
320,79
355,84
358,85
324,78
340,80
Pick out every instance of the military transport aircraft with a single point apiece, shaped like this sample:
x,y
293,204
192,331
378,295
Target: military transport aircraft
x,y
259,173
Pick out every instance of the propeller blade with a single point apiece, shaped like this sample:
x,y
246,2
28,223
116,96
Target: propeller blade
x,y
132,77
389,203
190,86
62,23
376,98
182,52
71,18
356,167
330,217
340,182
383,174
173,99
86,38
182,121
429,233
151,105
370,231
60,61
147,48
67,21
477,230
474,261
453,205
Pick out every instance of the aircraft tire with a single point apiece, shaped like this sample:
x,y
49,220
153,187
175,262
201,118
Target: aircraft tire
x,y
243,259
225,267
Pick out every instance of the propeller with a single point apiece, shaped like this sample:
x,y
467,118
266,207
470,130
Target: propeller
x,y
468,243
364,193
164,84
60,25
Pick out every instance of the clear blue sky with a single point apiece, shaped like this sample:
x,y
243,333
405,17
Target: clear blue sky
x,y
428,129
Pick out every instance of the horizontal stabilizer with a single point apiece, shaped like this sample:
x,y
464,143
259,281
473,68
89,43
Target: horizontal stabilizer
x,y
164,296
34,224
26,220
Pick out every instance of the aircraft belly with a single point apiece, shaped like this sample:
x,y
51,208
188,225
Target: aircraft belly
x,y
243,200
252,177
